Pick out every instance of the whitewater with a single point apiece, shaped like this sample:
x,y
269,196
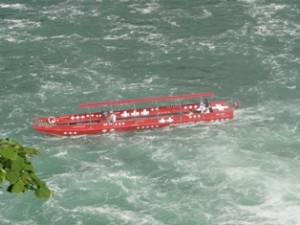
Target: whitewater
x,y
57,54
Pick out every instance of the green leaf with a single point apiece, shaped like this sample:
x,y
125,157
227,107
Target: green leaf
x,y
28,166
31,151
13,143
18,170
9,153
2,176
19,147
18,187
36,181
25,188
17,164
12,176
4,141
26,178
43,192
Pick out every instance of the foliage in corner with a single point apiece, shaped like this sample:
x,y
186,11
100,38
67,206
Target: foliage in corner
x,y
18,170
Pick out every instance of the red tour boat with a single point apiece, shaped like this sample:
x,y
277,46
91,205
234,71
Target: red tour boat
x,y
178,109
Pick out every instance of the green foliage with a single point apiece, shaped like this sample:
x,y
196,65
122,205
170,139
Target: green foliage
x,y
18,170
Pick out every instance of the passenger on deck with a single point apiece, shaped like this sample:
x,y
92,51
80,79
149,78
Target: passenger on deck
x,y
103,114
113,118
206,103
208,106
202,108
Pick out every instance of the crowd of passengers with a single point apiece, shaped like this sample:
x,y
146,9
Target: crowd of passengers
x,y
204,107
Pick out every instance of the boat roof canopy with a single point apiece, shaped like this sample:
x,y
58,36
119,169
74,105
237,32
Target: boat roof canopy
x,y
140,100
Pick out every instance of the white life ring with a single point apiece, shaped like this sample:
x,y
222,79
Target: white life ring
x,y
51,120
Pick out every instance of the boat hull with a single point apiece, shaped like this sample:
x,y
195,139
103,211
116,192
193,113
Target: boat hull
x,y
130,120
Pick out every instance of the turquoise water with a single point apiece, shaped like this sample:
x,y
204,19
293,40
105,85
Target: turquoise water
x,y
56,54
